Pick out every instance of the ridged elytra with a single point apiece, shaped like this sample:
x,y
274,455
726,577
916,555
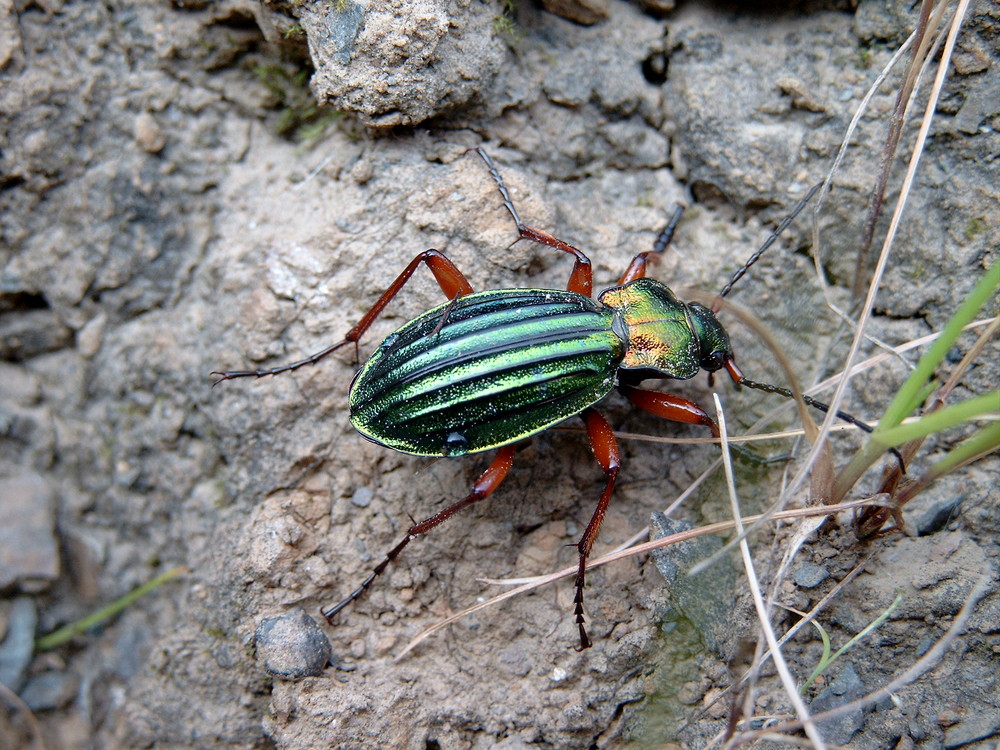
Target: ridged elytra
x,y
488,369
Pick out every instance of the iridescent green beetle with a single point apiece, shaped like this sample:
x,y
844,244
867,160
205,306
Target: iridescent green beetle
x,y
489,369
506,364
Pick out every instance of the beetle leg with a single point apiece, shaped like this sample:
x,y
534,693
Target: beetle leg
x,y
581,278
488,481
668,406
452,282
605,447
637,268
678,409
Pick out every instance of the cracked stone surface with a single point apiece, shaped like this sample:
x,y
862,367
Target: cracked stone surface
x,y
172,202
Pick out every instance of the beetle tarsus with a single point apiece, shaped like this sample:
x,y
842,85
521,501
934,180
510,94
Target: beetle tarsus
x,y
310,360
585,641
330,612
488,481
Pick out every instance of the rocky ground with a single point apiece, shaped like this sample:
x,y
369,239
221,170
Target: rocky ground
x,y
173,201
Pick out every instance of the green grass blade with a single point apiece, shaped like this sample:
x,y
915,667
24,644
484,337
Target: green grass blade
x,y
915,390
942,419
58,637
972,449
829,659
905,401
983,442
824,660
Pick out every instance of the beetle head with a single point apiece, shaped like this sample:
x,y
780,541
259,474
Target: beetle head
x,y
713,341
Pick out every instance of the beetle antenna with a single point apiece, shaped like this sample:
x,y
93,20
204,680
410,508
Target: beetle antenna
x,y
507,201
825,408
666,234
770,240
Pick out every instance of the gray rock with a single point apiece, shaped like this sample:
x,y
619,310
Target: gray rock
x,y
808,575
132,649
25,334
29,554
981,724
704,599
50,690
21,386
402,62
362,497
292,646
846,687
748,141
939,514
882,20
19,644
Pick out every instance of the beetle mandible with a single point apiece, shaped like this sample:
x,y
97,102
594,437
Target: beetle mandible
x,y
488,369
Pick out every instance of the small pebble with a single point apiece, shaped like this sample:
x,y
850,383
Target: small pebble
x,y
362,497
148,134
939,515
809,575
50,690
29,553
292,646
19,644
585,12
846,687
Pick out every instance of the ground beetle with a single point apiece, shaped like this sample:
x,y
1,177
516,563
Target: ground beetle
x,y
489,369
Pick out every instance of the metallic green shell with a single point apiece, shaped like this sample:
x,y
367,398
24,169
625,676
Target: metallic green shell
x,y
659,328
504,365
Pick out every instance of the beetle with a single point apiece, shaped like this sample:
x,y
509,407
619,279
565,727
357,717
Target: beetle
x,y
488,369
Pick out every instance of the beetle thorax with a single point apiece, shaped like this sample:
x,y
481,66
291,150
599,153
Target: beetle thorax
x,y
658,328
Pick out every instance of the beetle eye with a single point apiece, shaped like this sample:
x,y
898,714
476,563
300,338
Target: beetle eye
x,y
714,361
